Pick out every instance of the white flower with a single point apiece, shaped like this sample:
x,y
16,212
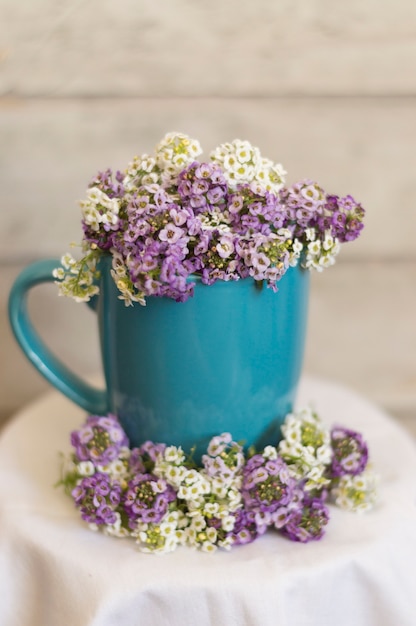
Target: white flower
x,y
207,546
192,476
314,247
171,543
310,234
99,208
234,498
212,534
117,263
198,523
215,220
226,544
315,478
95,195
176,151
227,523
68,261
324,452
189,493
356,493
181,536
195,505
270,452
230,162
139,172
58,273
326,261
86,468
306,447
297,246
167,530
219,488
159,538
211,509
328,242
271,176
78,277
243,151
239,160
174,475
128,292
174,454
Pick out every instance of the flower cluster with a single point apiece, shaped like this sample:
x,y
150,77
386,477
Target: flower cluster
x,y
157,495
170,217
306,448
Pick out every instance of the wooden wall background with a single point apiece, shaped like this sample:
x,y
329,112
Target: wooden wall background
x,y
328,88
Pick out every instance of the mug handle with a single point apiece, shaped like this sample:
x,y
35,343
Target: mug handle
x,y
87,397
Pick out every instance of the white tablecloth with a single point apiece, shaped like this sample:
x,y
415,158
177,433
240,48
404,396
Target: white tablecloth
x,y
54,571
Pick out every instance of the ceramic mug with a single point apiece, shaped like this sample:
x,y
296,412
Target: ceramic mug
x,y
228,359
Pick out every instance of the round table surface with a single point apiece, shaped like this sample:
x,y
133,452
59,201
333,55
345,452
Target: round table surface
x,y
54,570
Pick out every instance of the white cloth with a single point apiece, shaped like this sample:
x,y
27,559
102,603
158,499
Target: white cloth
x,y
55,571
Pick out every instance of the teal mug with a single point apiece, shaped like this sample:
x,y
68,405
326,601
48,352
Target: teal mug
x,y
228,359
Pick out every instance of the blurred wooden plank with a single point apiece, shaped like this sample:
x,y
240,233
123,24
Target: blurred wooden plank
x,y
50,149
183,47
362,333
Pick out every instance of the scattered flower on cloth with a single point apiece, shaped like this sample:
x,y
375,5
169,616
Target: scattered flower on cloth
x,y
156,494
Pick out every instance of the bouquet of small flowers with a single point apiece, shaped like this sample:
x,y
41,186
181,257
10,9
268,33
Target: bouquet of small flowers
x,y
170,217
160,497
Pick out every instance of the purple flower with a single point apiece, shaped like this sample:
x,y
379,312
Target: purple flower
x,y
306,194
254,212
151,450
111,184
267,486
142,460
225,457
171,233
250,222
97,497
247,527
260,261
203,243
346,217
198,201
136,462
99,440
179,216
147,499
215,195
225,246
204,171
307,522
202,185
199,187
209,227
350,452
235,203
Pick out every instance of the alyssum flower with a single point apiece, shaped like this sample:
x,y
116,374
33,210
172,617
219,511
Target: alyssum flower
x,y
158,496
169,217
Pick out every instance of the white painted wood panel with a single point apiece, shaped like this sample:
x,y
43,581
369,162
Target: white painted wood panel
x,y
184,47
49,150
